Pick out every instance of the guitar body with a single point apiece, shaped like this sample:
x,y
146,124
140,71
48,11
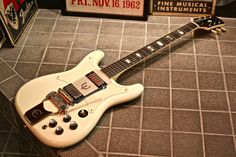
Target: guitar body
x,y
35,91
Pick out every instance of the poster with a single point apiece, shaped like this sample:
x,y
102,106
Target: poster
x,y
15,15
124,9
183,7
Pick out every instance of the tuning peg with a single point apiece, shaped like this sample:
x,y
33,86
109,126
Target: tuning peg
x,y
218,30
223,29
214,31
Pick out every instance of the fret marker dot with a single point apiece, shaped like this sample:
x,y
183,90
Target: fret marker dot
x,y
160,43
150,48
127,61
138,55
180,32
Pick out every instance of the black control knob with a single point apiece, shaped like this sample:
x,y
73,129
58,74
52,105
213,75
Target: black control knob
x,y
52,123
66,118
59,130
83,113
73,125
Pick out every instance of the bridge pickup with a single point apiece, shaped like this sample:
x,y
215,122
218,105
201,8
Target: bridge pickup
x,y
73,92
92,76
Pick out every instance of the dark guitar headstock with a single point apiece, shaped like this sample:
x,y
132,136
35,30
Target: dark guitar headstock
x,y
210,23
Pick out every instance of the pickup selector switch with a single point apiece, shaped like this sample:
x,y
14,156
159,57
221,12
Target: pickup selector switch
x,y
73,125
59,130
66,118
83,113
52,123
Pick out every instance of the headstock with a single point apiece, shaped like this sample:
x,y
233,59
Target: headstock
x,y
210,23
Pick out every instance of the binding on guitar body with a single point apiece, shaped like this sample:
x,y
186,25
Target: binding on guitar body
x,y
64,107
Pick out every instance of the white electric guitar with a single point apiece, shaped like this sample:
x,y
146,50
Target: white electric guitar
x,y
61,109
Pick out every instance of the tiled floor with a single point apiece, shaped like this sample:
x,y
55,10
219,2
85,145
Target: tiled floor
x,y
188,108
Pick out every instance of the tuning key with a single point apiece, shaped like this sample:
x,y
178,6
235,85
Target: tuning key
x,y
223,29
214,31
218,29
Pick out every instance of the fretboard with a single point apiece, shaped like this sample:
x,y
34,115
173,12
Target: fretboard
x,y
147,51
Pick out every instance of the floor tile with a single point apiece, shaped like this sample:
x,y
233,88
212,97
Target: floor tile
x,y
88,27
56,55
230,81
85,41
109,42
186,121
125,141
228,35
183,79
155,143
131,77
9,54
229,64
127,117
156,119
232,100
38,39
218,146
161,61
182,62
98,138
49,13
204,35
17,144
50,69
152,30
27,70
156,78
179,20
77,55
209,63
132,29
3,139
185,99
216,123
61,39
32,54
182,46
67,26
44,25
211,81
114,28
6,71
155,97
132,43
187,145
206,47
213,101
227,48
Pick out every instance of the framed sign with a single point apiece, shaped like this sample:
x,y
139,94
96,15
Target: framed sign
x,y
2,36
122,9
183,7
15,15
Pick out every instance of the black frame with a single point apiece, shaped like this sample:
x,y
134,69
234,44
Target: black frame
x,y
115,16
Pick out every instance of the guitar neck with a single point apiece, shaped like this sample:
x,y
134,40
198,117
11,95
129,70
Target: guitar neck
x,y
148,51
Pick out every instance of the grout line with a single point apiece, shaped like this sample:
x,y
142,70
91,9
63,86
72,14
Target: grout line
x,y
72,43
142,100
98,34
164,131
44,54
8,138
227,94
171,109
23,45
95,149
199,99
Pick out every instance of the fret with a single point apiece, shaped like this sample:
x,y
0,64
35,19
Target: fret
x,y
145,52
175,34
186,29
191,25
164,40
